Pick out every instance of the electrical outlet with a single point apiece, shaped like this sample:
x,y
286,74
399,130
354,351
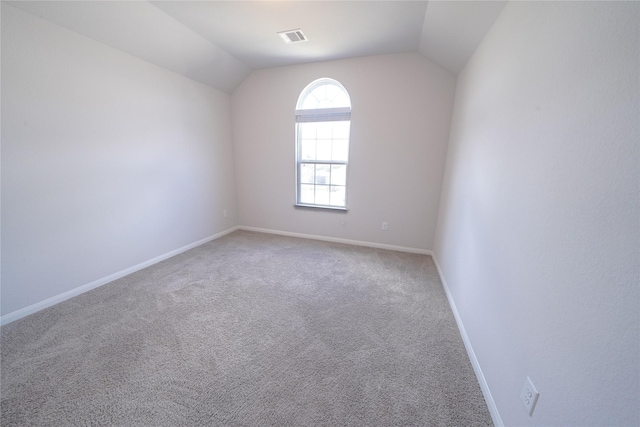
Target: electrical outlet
x,y
529,396
224,213
385,226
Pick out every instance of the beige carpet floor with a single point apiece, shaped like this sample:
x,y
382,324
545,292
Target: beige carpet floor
x,y
248,330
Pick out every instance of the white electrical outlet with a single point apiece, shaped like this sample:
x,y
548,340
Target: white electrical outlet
x,y
529,396
385,226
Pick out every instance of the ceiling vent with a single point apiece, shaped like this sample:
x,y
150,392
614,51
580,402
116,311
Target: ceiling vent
x,y
293,36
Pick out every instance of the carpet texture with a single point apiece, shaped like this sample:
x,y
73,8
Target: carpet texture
x,y
248,330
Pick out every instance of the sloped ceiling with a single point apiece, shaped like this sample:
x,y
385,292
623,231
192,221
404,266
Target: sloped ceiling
x,y
335,29
219,43
453,30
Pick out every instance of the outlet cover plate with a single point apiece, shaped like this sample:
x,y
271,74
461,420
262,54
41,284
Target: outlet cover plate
x,y
529,396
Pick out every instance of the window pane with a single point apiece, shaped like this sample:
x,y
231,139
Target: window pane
x,y
325,130
326,96
308,149
322,174
316,92
320,93
309,103
306,194
337,197
307,130
340,151
307,174
322,194
323,150
338,174
341,100
332,92
341,129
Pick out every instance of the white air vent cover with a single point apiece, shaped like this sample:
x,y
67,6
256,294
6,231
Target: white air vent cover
x,y
293,36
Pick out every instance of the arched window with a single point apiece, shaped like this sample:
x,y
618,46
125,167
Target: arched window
x,y
323,122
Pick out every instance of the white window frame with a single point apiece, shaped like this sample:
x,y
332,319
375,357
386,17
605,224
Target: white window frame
x,y
320,115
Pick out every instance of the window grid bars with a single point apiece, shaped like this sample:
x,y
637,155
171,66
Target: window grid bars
x,y
330,185
315,163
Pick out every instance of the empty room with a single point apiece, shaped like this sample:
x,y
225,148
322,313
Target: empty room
x,y
320,213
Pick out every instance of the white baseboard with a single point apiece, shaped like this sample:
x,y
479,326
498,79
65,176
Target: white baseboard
x,y
491,404
8,318
339,240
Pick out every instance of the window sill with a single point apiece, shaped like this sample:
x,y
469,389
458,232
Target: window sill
x,y
332,208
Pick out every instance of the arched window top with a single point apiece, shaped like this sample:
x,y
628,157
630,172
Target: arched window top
x,y
322,94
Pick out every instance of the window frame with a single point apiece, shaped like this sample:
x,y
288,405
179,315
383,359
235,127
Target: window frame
x,y
319,115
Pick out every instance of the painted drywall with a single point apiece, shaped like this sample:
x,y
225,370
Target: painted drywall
x,y
401,107
107,161
538,233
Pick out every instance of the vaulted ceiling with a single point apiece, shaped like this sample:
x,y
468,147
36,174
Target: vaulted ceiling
x,y
219,43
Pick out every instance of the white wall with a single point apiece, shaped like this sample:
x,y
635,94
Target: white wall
x,y
107,161
401,106
538,232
